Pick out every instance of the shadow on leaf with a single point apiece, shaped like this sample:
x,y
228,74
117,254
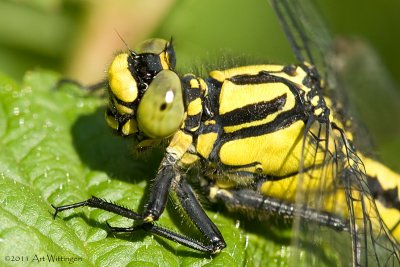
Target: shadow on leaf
x,y
101,150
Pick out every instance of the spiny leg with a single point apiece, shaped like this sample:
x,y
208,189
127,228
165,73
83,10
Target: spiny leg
x,y
192,207
95,202
156,205
188,201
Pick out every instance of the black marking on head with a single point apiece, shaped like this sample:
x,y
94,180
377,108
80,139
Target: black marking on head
x,y
163,106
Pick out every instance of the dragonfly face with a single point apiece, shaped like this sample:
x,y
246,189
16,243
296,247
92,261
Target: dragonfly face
x,y
269,140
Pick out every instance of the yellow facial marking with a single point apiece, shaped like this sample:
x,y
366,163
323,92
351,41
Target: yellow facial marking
x,y
111,122
123,86
130,127
123,109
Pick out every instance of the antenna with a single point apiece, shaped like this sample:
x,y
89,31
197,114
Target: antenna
x,y
122,39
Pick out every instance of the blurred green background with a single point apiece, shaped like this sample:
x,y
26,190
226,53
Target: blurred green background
x,y
78,38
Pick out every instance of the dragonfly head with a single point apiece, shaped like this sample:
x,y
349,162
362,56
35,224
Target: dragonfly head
x,y
145,94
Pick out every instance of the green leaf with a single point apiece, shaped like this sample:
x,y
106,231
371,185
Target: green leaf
x,y
56,149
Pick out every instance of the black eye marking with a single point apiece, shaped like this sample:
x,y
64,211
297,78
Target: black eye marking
x,y
163,106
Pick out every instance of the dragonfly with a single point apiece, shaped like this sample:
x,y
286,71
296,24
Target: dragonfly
x,y
270,139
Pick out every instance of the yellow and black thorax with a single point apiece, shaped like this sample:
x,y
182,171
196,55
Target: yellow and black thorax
x,y
251,119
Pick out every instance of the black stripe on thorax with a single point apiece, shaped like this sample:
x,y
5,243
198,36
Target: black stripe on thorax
x,y
253,112
191,94
261,77
268,77
191,122
282,121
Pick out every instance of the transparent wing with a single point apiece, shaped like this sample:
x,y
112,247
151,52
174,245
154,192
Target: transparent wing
x,y
311,41
306,32
340,184
372,94
373,243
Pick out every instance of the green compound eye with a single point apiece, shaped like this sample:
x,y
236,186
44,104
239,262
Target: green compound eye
x,y
154,46
160,112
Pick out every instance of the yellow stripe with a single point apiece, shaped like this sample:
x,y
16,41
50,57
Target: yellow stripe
x,y
386,177
388,180
314,101
205,143
188,159
221,75
194,107
278,152
298,78
203,86
209,122
270,118
391,217
194,83
234,96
